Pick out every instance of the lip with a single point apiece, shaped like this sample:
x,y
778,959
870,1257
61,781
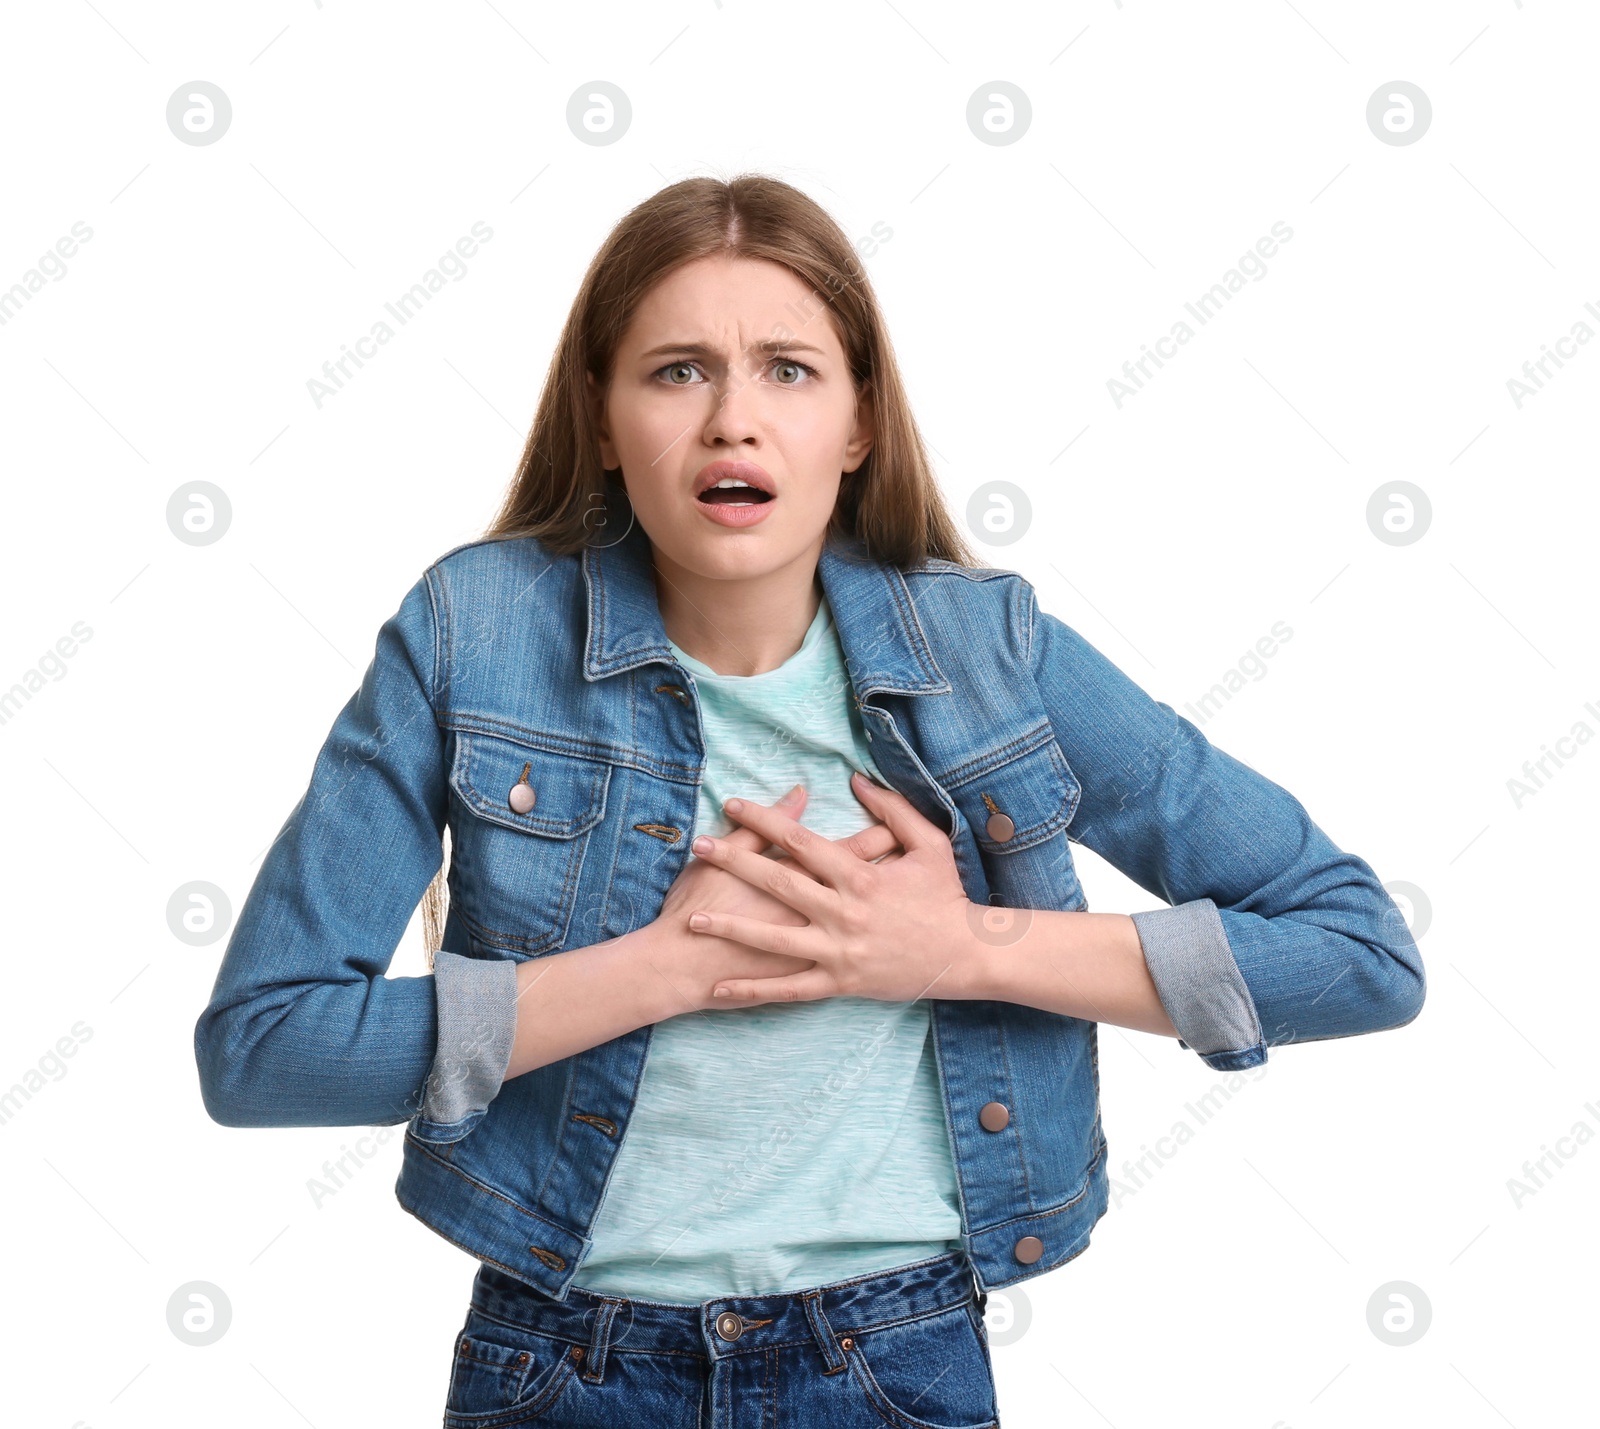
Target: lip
x,y
746,471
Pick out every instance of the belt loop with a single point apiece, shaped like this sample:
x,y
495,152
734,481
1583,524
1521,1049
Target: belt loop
x,y
820,1327
594,1359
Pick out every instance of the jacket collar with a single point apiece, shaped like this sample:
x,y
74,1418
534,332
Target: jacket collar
x,y
883,642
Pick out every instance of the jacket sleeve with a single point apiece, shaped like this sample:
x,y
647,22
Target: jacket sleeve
x,y
1275,935
303,1027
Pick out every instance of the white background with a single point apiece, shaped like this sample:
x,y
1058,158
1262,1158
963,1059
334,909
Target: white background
x,y
1231,493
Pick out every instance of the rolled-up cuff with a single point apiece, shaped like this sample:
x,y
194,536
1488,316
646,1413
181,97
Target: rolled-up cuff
x,y
477,1007
1200,985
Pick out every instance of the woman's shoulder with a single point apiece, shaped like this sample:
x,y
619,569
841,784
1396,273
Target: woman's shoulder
x,y
938,566
498,553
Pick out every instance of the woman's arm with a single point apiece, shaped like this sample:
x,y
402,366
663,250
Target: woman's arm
x,y
1088,965
1271,923
1276,935
303,1028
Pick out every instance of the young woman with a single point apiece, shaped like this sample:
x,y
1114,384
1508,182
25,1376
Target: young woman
x,y
759,1042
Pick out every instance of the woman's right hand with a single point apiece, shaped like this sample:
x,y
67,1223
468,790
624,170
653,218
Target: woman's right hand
x,y
694,962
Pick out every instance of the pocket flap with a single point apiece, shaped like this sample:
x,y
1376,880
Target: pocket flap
x,y
1020,802
566,794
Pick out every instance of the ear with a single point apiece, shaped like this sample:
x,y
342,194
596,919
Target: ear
x,y
596,400
861,437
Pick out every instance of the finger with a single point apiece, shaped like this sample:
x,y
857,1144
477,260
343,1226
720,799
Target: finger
x,y
900,814
757,933
871,843
784,878
791,804
809,986
825,860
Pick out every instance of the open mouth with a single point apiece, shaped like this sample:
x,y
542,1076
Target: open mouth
x,y
737,495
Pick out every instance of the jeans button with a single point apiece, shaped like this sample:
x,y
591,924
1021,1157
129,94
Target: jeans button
x,y
1028,1249
729,1325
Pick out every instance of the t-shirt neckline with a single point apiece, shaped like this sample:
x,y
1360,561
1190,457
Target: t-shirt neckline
x,y
820,623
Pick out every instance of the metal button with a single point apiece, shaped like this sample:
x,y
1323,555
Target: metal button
x,y
522,798
1000,827
995,1116
729,1325
1028,1249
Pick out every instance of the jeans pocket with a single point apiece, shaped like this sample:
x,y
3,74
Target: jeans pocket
x,y
503,1378
931,1373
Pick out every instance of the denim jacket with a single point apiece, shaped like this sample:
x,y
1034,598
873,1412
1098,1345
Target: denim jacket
x,y
506,666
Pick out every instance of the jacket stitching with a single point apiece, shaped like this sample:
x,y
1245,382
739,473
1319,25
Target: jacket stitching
x,y
1005,1062
557,1152
514,942
990,761
466,722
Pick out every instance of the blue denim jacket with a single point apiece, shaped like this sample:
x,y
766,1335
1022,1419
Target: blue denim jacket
x,y
505,665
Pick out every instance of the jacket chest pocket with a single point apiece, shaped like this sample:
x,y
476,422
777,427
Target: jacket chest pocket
x,y
520,823
1019,810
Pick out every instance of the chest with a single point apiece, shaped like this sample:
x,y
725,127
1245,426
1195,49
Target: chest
x,y
570,820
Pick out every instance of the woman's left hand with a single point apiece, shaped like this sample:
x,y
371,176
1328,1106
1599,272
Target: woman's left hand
x,y
895,930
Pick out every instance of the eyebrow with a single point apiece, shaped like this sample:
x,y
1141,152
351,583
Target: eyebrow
x,y
705,349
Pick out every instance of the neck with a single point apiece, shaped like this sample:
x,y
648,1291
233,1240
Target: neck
x,y
740,626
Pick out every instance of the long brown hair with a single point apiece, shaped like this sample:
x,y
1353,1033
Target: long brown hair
x,y
893,501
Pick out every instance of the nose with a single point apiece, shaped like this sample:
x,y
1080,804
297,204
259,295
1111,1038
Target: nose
x,y
735,417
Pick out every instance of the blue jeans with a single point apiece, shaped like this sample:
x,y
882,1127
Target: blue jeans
x,y
904,1347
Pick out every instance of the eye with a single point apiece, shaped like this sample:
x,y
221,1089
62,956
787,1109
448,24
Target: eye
x,y
800,372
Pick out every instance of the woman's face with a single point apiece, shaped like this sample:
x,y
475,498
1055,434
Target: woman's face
x,y
732,360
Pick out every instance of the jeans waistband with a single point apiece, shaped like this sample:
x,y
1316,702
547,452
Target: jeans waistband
x,y
731,1324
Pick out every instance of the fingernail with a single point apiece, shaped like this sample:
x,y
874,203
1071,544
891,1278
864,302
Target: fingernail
x,y
791,794
733,805
722,992
701,844
698,920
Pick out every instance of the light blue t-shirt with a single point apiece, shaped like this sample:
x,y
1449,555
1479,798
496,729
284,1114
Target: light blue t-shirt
x,y
778,1147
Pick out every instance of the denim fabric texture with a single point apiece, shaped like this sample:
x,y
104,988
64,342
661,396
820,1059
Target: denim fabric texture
x,y
905,1347
506,665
